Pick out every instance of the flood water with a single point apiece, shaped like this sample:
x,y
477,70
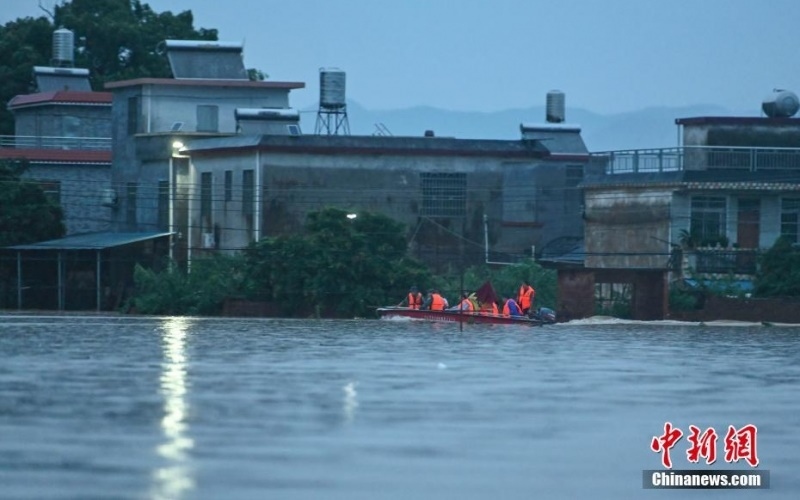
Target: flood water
x,y
121,407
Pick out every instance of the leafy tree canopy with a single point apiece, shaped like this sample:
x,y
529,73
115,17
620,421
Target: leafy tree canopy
x,y
779,272
27,215
114,40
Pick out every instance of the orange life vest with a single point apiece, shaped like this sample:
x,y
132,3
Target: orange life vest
x,y
437,302
414,300
466,305
525,297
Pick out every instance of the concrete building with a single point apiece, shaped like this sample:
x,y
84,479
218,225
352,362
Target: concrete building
x,y
700,211
64,132
154,117
451,193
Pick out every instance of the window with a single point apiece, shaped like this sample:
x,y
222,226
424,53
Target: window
x,y
207,118
228,185
573,196
574,175
248,192
52,190
134,112
708,219
444,194
163,205
205,198
790,219
130,198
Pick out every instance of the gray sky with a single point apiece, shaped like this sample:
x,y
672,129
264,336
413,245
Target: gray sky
x,y
485,55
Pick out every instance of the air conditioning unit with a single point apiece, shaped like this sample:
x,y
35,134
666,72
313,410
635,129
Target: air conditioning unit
x,y
209,241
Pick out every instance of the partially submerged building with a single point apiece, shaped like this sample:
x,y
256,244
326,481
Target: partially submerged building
x,y
703,210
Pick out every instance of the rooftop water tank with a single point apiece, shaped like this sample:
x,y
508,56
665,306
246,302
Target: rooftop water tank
x,y
780,104
332,88
63,47
555,107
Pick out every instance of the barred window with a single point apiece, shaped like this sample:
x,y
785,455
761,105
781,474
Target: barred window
x,y
163,205
248,192
790,219
708,217
228,185
444,194
205,197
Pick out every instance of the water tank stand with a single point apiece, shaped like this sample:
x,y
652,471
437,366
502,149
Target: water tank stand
x,y
332,122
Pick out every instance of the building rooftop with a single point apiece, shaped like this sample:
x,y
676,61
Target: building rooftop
x,y
200,82
738,120
340,144
60,97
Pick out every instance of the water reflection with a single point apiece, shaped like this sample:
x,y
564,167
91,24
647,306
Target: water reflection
x,y
350,401
174,479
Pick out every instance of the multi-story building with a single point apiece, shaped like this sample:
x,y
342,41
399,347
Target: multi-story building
x,y
702,210
63,131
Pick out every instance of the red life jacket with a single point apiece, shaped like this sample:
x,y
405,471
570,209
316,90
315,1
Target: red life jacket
x,y
414,300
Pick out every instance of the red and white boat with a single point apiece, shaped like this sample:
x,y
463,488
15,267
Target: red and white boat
x,y
460,316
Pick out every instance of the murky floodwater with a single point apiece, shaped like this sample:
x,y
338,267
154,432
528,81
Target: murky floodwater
x,y
105,407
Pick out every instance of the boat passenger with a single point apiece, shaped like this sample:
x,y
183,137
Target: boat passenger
x,y
413,300
489,308
465,304
434,301
525,297
510,307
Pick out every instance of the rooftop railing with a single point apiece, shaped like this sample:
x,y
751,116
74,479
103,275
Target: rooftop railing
x,y
50,142
698,158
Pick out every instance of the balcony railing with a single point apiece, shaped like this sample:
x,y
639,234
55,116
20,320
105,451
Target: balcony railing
x,y
719,261
698,158
49,142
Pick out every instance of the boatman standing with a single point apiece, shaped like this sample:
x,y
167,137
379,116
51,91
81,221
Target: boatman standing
x,y
525,297
413,300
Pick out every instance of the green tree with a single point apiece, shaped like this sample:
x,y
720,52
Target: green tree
x,y
338,267
26,213
779,271
203,291
24,43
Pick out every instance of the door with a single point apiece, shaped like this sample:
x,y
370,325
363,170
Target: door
x,y
747,232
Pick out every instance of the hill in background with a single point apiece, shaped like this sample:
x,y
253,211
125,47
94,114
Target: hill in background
x,y
646,128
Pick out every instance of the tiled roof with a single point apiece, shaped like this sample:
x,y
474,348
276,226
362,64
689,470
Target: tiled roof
x,y
57,155
61,97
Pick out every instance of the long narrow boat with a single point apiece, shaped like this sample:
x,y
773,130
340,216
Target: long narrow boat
x,y
456,316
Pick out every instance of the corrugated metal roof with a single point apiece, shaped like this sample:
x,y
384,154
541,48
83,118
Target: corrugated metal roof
x,y
91,241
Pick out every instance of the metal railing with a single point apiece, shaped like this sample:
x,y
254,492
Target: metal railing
x,y
726,261
698,158
51,142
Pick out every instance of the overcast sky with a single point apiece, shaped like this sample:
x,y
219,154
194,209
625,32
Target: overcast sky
x,y
484,55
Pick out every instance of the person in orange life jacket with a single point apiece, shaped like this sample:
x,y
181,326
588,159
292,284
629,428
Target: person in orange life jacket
x,y
434,301
488,308
465,304
510,307
413,300
525,297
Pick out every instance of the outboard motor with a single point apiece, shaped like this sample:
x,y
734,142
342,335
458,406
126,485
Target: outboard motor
x,y
543,314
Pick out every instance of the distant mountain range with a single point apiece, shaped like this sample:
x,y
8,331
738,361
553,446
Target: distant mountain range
x,y
647,128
